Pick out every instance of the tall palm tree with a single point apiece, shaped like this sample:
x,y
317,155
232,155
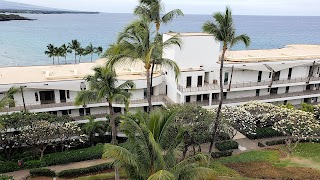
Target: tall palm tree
x,y
224,31
98,50
90,50
8,99
136,44
74,46
81,52
154,11
142,157
103,86
50,52
64,49
57,53
92,128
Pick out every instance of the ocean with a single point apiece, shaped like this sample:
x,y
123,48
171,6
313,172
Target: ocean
x,y
24,42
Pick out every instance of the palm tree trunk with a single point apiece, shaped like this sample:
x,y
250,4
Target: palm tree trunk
x,y
58,60
91,56
23,101
79,58
149,90
65,59
153,62
217,120
75,57
114,136
53,60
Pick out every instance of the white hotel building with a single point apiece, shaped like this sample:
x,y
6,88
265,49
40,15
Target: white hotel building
x,y
287,75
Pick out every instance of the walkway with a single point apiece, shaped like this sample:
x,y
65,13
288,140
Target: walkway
x,y
23,174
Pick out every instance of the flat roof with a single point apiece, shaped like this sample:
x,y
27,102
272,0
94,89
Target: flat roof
x,y
188,34
288,53
30,74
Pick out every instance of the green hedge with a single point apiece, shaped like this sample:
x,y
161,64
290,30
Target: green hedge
x,y
226,145
221,154
8,167
82,171
266,132
42,172
222,136
5,177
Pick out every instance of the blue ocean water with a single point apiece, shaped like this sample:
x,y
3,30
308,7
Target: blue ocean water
x,y
24,42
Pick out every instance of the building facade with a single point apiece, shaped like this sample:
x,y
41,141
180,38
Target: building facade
x,y
287,75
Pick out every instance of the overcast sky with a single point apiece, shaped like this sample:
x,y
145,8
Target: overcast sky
x,y
239,7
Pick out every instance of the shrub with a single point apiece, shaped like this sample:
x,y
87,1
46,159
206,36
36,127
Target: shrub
x,y
42,172
33,164
221,154
275,142
82,171
260,144
73,156
222,136
226,145
5,177
265,132
8,167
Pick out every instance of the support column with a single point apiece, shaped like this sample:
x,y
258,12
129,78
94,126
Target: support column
x,y
210,99
156,90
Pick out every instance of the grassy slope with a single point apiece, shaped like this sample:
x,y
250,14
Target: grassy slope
x,y
309,151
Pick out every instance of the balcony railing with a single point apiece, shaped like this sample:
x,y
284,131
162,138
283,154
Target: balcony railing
x,y
207,87
154,99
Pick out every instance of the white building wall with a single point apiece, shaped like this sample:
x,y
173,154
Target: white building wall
x,y
99,110
244,76
137,93
241,94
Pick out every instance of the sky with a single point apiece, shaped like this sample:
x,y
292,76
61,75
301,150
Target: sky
x,y
239,7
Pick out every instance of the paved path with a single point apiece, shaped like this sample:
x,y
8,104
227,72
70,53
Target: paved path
x,y
23,174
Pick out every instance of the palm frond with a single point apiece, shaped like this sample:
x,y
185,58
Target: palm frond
x,y
162,175
85,97
168,17
120,155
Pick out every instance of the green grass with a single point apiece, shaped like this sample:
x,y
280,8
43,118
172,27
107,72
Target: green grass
x,y
265,155
309,151
222,170
101,176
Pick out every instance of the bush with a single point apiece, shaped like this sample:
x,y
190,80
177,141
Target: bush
x,y
82,171
222,136
8,167
5,177
221,154
260,144
42,172
33,164
226,145
275,142
266,132
73,156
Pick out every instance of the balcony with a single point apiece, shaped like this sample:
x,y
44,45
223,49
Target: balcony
x,y
154,99
208,87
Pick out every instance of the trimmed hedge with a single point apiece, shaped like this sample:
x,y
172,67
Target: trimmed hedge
x,y
82,171
8,167
222,136
33,164
260,144
226,145
221,154
266,132
42,172
275,142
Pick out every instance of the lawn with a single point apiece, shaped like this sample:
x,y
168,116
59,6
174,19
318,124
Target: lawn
x,y
265,155
309,151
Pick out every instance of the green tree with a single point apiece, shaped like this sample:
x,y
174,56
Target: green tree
x,y
154,11
50,52
64,50
92,128
98,50
57,53
90,50
81,52
74,46
8,99
142,157
224,31
136,44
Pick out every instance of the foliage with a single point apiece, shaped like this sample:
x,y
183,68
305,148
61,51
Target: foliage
x,y
93,127
33,164
222,170
82,171
307,107
262,155
264,132
42,172
9,142
221,154
102,176
8,167
226,145
6,177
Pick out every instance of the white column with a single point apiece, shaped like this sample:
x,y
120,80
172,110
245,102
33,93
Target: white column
x,y
57,96
156,90
210,99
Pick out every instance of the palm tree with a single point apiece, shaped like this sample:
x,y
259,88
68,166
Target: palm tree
x,y
90,50
64,49
92,128
224,31
98,50
74,46
57,53
8,99
136,44
103,86
81,52
50,52
154,11
142,157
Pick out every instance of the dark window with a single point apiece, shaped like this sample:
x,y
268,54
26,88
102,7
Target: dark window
x,y
199,81
285,102
81,111
226,78
290,73
274,91
287,89
145,93
277,76
36,96
258,92
70,111
189,81
47,97
88,111
68,94
225,95
188,98
215,96
308,87
64,112
145,108
318,70
62,95
117,109
198,98
268,89
206,97
259,76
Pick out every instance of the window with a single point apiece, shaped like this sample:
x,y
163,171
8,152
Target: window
x,y
259,76
36,96
88,111
318,70
258,92
277,76
65,112
117,109
225,95
287,89
290,73
188,98
68,94
199,81
206,97
145,93
285,102
268,89
70,111
188,81
274,91
198,98
81,111
215,96
226,78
